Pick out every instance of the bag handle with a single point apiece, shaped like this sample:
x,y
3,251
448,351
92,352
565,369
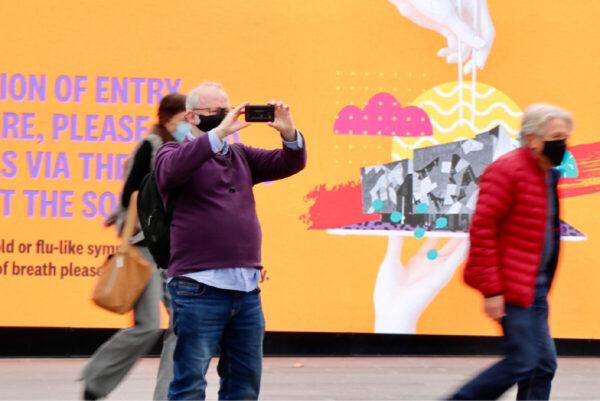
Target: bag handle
x,y
130,223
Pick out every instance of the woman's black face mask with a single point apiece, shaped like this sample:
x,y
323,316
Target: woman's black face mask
x,y
555,151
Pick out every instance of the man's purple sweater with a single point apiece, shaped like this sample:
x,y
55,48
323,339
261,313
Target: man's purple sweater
x,y
215,224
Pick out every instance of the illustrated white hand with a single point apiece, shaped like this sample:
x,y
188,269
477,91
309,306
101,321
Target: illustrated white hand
x,y
403,291
469,29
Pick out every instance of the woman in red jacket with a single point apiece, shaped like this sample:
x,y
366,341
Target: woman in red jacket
x,y
515,238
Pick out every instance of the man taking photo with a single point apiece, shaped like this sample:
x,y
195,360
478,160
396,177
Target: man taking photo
x,y
215,261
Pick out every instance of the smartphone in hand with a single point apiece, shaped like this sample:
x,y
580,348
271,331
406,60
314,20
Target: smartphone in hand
x,y
259,113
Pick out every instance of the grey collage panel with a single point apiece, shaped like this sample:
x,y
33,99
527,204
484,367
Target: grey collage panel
x,y
391,184
445,177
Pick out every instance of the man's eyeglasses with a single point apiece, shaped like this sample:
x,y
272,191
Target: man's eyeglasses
x,y
211,111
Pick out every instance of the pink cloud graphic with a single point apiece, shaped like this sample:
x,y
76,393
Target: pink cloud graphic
x,y
383,116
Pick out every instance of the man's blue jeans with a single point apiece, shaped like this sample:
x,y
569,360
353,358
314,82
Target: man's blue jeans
x,y
530,357
204,319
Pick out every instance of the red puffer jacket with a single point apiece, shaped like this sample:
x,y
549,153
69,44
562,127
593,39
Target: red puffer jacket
x,y
508,228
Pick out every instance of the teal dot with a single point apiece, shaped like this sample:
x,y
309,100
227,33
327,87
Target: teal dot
x,y
420,232
396,217
441,222
432,254
422,208
378,204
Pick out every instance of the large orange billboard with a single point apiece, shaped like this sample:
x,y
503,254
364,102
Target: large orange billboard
x,y
372,93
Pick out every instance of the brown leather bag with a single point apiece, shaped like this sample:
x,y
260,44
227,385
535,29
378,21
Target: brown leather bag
x,y
125,275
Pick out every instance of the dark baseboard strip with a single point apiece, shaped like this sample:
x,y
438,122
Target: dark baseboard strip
x,y
69,342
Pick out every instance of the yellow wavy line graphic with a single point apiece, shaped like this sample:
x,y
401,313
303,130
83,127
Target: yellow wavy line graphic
x,y
492,107
486,112
468,123
467,87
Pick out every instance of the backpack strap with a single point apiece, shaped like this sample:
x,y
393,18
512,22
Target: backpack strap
x,y
171,199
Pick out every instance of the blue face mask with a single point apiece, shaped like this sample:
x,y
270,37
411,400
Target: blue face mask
x,y
181,132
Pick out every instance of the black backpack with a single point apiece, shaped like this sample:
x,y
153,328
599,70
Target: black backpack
x,y
155,219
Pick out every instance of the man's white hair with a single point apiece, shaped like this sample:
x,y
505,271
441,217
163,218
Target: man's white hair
x,y
538,115
193,98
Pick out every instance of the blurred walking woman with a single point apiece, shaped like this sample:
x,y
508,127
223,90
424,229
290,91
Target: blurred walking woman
x,y
113,360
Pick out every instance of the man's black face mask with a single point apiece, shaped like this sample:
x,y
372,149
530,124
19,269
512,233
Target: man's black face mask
x,y
210,122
